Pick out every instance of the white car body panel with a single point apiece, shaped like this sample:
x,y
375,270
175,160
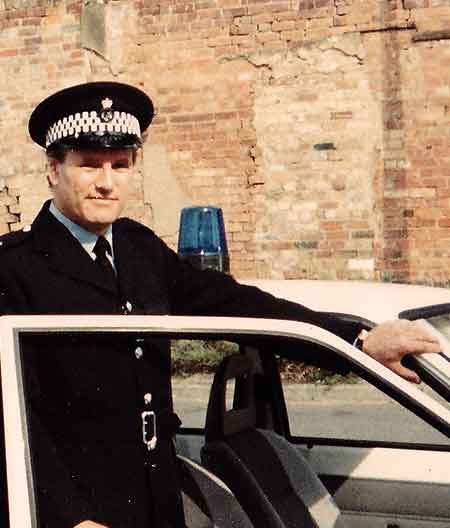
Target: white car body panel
x,y
375,301
386,487
412,465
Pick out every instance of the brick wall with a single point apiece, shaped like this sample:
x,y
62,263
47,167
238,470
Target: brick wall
x,y
319,126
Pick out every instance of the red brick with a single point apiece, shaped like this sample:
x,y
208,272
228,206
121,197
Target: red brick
x,y
287,25
264,38
243,29
341,115
31,22
8,53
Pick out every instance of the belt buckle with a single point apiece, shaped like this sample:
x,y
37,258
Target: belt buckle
x,y
149,429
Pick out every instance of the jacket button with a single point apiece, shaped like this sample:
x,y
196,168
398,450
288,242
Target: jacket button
x,y
138,352
128,306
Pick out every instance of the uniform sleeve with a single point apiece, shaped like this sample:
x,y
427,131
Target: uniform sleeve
x,y
5,301
12,299
197,292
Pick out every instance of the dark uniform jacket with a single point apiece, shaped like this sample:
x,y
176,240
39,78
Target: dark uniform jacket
x,y
87,398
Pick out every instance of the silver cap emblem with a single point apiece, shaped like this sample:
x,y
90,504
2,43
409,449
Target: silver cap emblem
x,y
106,115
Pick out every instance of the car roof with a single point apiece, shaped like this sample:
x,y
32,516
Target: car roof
x,y
375,301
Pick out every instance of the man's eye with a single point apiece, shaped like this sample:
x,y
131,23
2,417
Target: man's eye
x,y
90,166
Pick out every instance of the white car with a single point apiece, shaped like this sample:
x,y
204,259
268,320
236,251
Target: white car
x,y
374,301
255,464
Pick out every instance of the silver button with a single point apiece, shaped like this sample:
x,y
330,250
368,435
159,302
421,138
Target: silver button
x,y
128,306
147,398
138,352
1,243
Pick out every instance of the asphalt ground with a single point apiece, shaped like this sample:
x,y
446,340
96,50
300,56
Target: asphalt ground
x,y
197,387
347,411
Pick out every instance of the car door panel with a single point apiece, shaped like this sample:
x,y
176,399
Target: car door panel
x,y
381,487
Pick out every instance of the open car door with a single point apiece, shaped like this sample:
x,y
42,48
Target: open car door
x,y
352,472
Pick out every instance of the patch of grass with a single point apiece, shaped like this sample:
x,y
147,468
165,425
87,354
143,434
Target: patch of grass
x,y
202,357
199,357
297,372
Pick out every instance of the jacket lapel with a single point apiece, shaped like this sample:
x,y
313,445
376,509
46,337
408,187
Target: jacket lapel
x,y
63,252
140,279
126,260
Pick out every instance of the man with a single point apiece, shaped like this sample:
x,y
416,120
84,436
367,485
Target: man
x,y
80,257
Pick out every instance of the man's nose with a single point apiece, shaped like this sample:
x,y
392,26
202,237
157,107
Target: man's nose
x,y
105,178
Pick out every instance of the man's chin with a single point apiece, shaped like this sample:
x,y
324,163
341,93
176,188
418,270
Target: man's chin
x,y
98,225
102,214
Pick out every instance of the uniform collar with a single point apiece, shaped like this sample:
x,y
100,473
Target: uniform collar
x,y
84,237
61,250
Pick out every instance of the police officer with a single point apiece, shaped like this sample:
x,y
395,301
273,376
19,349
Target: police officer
x,y
80,257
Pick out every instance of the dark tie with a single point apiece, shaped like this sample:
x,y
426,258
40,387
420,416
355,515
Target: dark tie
x,y
101,249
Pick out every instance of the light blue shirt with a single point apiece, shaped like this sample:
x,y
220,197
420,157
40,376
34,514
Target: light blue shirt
x,y
84,237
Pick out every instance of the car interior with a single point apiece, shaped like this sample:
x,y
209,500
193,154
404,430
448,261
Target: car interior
x,y
246,446
281,492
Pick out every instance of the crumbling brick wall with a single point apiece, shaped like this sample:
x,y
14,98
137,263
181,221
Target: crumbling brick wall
x,y
319,126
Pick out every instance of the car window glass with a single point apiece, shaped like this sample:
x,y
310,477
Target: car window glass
x,y
193,365
319,402
441,323
324,404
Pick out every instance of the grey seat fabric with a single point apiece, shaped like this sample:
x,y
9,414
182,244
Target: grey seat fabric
x,y
193,515
207,501
272,481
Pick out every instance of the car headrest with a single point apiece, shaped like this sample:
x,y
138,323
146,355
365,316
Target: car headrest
x,y
221,422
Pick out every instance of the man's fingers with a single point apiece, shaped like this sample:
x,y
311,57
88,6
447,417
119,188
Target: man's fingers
x,y
406,373
389,342
417,346
424,333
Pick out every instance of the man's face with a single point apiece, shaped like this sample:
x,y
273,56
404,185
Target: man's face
x,y
91,187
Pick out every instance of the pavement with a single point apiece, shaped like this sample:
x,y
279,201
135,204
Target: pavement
x,y
197,387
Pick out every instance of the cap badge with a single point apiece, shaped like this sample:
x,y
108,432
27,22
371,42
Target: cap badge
x,y
107,114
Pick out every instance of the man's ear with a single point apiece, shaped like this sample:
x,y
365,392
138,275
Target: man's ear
x,y
53,169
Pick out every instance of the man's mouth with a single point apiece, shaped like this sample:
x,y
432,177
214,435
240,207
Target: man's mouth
x,y
105,198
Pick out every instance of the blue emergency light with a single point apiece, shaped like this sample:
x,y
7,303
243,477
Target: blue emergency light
x,y
202,238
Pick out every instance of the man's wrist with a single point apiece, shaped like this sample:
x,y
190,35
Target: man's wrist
x,y
360,338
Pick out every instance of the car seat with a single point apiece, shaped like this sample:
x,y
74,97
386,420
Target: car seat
x,y
207,501
272,481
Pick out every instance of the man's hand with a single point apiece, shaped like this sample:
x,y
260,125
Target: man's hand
x,y
389,342
89,524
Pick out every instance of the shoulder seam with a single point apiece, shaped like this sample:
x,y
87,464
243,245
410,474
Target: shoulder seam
x,y
14,238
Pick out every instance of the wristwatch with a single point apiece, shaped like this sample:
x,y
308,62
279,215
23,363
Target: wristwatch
x,y
359,341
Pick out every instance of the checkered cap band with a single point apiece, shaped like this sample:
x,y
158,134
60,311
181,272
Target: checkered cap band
x,y
91,122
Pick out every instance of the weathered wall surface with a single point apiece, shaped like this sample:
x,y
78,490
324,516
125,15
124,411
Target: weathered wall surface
x,y
319,135
319,126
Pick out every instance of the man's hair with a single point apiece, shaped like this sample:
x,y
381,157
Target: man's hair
x,y
58,152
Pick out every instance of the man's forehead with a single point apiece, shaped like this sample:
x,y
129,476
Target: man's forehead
x,y
100,154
